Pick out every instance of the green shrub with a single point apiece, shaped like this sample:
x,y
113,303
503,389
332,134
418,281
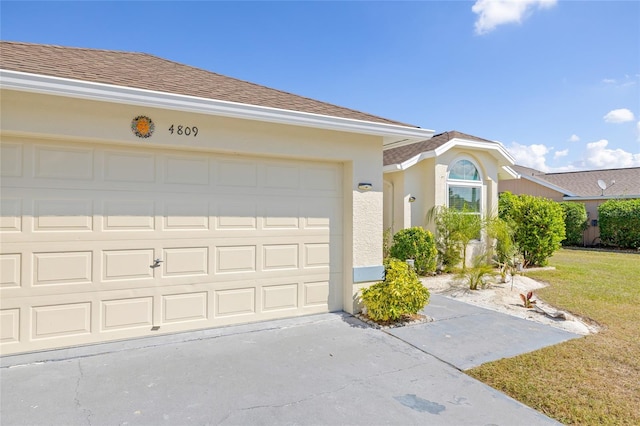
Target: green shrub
x,y
575,223
417,244
619,222
448,248
538,223
503,246
400,294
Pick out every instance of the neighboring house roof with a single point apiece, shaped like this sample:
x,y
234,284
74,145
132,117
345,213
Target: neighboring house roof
x,y
585,183
152,73
403,157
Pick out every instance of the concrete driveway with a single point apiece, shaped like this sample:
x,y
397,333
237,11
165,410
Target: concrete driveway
x,y
326,369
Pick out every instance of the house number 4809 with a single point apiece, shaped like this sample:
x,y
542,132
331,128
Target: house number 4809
x,y
183,130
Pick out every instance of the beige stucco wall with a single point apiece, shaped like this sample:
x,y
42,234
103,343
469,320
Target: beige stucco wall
x,y
417,181
85,121
524,186
426,181
394,195
592,234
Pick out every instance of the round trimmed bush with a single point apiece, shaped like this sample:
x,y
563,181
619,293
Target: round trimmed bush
x,y
400,294
418,244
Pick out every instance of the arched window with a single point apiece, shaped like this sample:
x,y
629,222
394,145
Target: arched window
x,y
464,185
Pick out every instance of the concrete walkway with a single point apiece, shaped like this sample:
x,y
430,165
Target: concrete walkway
x,y
467,336
326,369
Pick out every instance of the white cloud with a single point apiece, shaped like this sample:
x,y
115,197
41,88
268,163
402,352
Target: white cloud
x,y
621,83
530,155
598,156
574,138
492,13
621,115
562,153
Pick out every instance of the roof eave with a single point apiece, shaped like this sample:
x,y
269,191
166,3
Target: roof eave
x,y
36,83
408,163
509,173
598,197
495,148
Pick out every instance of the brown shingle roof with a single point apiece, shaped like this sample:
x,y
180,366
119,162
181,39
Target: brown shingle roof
x,y
585,183
527,170
403,153
144,71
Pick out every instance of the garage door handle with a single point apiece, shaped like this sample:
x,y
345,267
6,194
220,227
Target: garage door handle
x,y
156,263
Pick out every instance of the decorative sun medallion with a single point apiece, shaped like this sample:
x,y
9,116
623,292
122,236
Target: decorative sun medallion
x,y
142,126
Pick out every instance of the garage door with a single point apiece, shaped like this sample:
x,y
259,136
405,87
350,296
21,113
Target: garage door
x,y
103,242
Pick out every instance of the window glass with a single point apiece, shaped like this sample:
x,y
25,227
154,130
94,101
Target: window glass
x,y
464,170
465,198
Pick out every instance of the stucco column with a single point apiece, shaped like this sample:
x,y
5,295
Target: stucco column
x,y
364,226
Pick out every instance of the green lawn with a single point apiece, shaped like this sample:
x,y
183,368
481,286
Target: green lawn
x,y
594,380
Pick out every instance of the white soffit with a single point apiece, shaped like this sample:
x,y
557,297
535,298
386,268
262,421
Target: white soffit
x,y
393,135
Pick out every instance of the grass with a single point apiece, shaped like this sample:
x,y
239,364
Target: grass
x,y
593,380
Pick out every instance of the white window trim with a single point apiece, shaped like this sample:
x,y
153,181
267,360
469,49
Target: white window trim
x,y
467,183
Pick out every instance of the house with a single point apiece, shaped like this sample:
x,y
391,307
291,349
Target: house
x,y
589,187
450,169
142,196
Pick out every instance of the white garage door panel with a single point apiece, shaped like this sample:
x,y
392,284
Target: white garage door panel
x,y
241,239
71,319
10,270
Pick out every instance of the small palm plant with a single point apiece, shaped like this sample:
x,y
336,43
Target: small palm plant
x,y
478,274
455,229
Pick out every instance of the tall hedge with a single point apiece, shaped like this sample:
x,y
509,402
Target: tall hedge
x,y
619,222
538,223
575,223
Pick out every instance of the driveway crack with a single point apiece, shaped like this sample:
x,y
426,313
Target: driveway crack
x,y
459,316
76,398
423,350
320,394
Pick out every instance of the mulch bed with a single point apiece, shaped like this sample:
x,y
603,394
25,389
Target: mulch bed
x,y
402,322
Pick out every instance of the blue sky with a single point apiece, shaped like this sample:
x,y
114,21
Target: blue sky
x,y
557,82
